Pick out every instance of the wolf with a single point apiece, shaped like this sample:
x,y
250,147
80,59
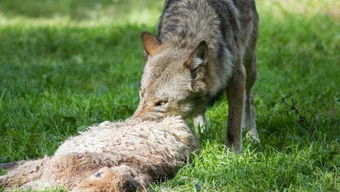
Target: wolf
x,y
202,48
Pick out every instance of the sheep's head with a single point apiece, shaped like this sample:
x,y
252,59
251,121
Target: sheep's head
x,y
109,179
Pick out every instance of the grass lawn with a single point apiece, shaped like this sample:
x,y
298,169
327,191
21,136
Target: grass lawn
x,y
68,64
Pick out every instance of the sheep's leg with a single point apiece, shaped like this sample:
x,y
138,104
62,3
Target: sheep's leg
x,y
11,165
28,171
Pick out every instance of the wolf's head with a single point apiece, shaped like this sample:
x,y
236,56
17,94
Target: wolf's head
x,y
174,80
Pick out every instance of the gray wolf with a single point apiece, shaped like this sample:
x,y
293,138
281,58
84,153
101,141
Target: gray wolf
x,y
202,48
121,156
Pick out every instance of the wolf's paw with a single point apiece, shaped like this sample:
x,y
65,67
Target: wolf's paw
x,y
253,136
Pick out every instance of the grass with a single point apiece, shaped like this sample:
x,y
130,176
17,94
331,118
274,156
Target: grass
x,y
68,64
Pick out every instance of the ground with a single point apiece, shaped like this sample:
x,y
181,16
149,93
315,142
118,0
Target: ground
x,y
68,64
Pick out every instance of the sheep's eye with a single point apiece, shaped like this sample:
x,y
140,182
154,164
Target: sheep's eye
x,y
160,102
97,174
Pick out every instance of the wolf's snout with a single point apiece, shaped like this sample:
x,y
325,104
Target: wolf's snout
x,y
146,112
141,110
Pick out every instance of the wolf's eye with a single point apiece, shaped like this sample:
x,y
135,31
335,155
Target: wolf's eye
x,y
161,102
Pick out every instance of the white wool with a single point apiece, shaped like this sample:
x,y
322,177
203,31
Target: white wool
x,y
134,147
130,135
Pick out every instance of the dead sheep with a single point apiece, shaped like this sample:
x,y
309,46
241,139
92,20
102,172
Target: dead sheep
x,y
113,156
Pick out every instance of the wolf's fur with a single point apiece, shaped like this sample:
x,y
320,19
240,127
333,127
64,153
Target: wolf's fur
x,y
122,156
203,47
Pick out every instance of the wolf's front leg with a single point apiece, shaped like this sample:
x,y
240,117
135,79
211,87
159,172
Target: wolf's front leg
x,y
200,122
236,95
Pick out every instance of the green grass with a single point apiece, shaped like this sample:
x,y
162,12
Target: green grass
x,y
68,64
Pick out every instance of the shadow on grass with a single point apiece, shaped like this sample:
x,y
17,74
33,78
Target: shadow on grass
x,y
75,9
55,81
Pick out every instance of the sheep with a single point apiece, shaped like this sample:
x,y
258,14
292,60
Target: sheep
x,y
113,156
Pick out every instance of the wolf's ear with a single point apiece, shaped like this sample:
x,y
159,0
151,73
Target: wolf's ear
x,y
197,65
198,57
150,43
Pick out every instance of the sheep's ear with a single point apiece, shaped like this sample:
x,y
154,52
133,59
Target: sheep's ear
x,y
150,43
198,57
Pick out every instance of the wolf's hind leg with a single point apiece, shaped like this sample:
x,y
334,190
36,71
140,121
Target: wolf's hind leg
x,y
29,171
249,118
249,109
